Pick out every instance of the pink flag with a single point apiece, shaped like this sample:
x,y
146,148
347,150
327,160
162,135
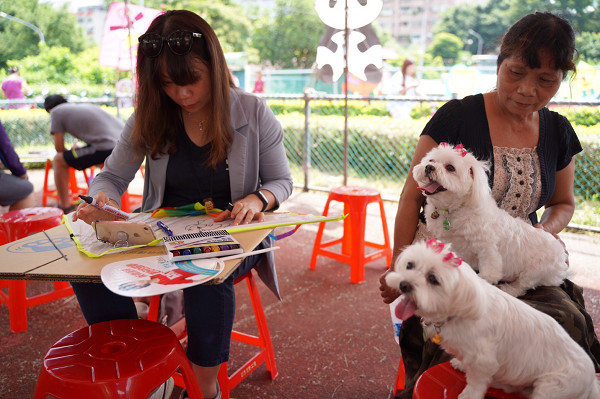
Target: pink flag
x,y
122,27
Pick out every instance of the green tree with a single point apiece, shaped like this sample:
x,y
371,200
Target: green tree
x,y
489,21
492,19
226,17
232,27
290,39
588,46
447,46
60,65
52,64
17,41
88,69
583,14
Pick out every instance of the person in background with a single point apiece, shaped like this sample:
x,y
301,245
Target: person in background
x,y
409,80
14,87
16,191
203,140
531,152
403,83
259,83
89,123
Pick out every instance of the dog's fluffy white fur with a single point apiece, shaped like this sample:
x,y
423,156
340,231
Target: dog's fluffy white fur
x,y
460,210
497,340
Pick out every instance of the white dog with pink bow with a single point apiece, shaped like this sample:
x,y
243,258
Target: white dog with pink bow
x,y
460,210
497,340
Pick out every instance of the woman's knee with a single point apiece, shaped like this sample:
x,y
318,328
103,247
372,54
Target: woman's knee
x,y
99,304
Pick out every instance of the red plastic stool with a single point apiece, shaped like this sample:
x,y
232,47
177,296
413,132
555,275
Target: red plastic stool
x,y
13,226
266,354
443,381
353,241
114,359
74,188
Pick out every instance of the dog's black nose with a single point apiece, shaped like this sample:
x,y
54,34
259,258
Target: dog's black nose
x,y
429,169
405,287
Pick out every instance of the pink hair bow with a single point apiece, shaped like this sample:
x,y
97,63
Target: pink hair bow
x,y
461,150
454,261
435,245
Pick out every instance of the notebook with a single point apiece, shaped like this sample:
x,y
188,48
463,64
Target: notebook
x,y
205,244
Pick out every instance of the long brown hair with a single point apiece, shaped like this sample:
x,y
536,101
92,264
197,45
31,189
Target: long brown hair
x,y
157,117
407,62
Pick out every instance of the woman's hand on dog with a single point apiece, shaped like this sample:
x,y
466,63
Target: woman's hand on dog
x,y
387,293
541,226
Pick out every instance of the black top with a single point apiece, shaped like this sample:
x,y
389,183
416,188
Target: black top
x,y
465,122
190,179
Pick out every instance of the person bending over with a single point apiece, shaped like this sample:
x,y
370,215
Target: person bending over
x,y
88,123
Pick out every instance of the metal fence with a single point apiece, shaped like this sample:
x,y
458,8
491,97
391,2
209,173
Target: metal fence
x,y
326,148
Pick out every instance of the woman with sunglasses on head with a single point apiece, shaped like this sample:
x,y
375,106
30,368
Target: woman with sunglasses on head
x,y
203,141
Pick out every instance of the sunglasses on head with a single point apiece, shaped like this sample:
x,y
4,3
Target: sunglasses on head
x,y
180,42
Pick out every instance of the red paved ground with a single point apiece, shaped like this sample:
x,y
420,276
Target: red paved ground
x,y
332,339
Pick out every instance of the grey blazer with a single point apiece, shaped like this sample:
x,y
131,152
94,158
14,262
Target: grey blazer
x,y
256,160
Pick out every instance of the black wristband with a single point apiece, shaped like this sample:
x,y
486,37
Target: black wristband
x,y
263,199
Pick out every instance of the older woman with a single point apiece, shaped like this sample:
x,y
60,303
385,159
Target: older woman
x,y
531,150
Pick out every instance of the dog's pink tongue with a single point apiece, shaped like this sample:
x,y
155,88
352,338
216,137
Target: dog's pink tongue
x,y
431,187
405,308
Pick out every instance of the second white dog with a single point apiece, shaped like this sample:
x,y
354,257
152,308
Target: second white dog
x,y
460,210
497,340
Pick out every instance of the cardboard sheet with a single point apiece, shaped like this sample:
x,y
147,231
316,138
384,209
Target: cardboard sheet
x,y
36,258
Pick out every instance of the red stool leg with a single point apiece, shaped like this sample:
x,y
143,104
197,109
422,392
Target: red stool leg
x,y
319,237
17,306
73,186
358,215
153,308
387,246
348,232
125,205
399,377
224,382
46,192
263,328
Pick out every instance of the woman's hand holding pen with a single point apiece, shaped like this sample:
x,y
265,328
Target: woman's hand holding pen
x,y
244,210
89,213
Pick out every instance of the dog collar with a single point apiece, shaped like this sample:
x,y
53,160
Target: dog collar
x,y
435,214
437,325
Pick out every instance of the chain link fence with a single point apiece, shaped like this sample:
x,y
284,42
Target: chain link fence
x,y
326,149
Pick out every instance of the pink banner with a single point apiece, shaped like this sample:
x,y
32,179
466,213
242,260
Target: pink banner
x,y
122,27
